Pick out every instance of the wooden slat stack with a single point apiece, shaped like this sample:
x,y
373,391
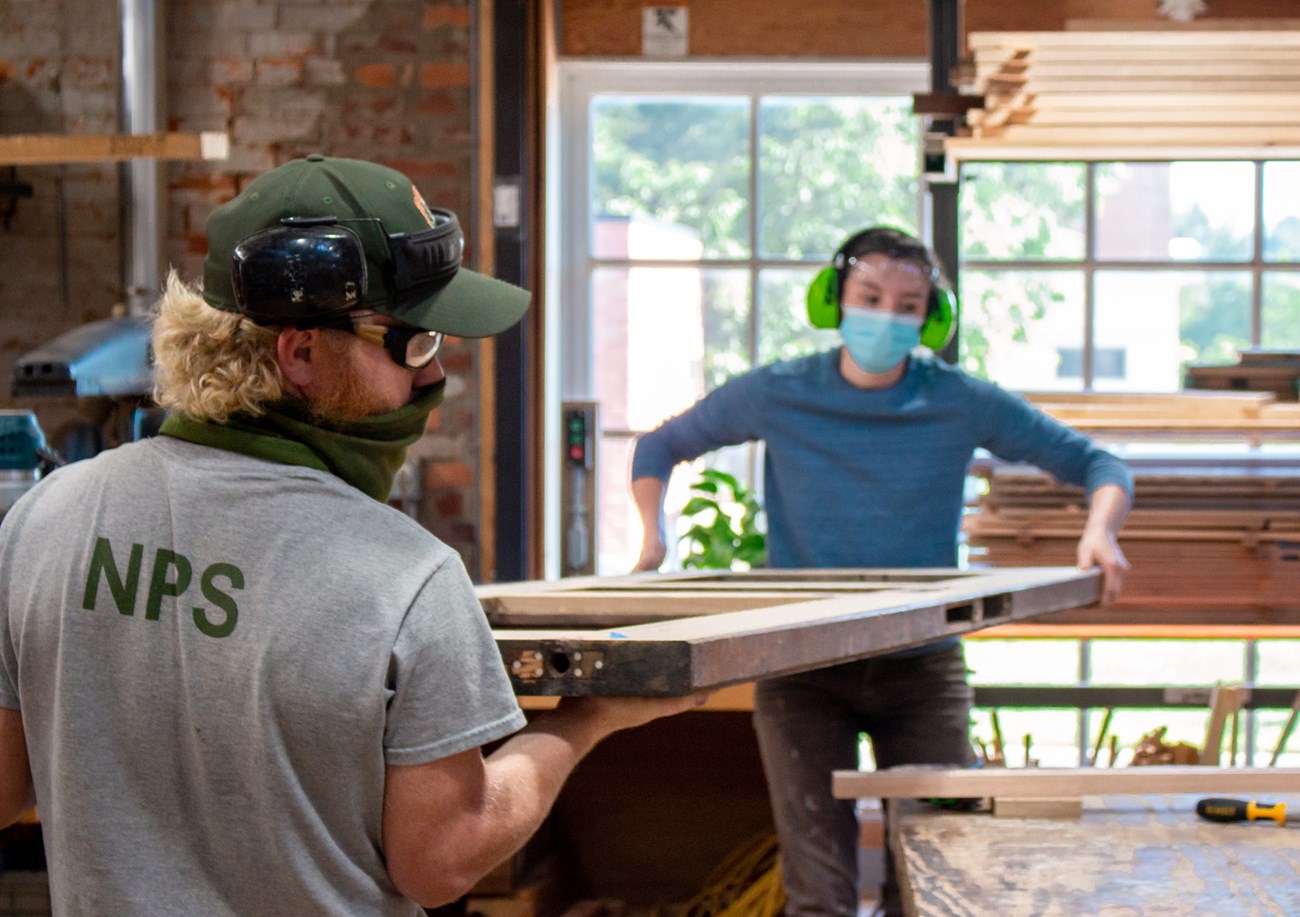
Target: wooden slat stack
x,y
1203,546
1219,416
1212,538
1135,94
1275,371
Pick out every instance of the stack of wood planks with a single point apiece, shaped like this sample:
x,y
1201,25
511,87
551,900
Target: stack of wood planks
x,y
1276,371
1206,545
1222,416
1107,93
1213,538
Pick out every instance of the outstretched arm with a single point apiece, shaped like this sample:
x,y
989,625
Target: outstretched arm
x,y
728,415
1099,546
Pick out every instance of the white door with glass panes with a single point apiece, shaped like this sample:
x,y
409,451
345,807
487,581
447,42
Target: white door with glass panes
x,y
696,203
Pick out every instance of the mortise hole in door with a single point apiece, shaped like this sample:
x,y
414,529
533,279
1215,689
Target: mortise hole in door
x,y
996,606
959,614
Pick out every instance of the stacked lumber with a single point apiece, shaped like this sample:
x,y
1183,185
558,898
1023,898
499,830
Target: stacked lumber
x,y
1134,95
1234,416
1275,371
1204,546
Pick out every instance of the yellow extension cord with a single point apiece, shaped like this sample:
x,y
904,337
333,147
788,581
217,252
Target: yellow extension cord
x,y
746,884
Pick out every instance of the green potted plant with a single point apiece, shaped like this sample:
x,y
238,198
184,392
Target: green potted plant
x,y
724,532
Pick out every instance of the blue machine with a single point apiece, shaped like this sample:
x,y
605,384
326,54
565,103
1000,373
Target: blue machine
x,y
108,361
23,456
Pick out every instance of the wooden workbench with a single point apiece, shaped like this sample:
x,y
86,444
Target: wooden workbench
x,y
1127,855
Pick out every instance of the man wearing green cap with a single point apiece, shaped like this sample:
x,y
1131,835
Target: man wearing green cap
x,y
233,679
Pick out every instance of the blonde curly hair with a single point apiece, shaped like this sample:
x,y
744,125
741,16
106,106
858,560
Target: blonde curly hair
x,y
210,364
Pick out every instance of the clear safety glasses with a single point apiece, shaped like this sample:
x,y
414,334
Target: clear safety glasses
x,y
869,284
413,348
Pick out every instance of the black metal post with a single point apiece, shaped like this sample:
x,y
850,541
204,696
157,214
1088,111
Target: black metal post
x,y
513,395
943,240
945,47
945,43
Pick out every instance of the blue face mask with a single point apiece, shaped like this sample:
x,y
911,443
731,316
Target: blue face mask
x,y
878,341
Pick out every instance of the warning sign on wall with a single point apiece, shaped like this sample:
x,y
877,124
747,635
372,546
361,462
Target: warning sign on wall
x,y
663,31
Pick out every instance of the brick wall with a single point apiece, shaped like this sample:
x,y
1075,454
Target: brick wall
x,y
387,81
60,259
852,28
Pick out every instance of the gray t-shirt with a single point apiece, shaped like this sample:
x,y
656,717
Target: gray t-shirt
x,y
215,656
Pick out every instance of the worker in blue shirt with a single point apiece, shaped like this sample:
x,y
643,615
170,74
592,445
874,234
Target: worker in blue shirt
x,y
867,449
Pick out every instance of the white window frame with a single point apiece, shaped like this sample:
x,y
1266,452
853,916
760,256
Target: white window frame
x,y
568,344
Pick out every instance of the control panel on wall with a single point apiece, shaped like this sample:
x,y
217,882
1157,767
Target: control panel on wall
x,y
578,490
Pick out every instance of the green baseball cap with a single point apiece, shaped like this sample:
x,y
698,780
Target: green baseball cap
x,y
286,217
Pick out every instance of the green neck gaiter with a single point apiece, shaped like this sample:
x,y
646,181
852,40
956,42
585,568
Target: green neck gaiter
x,y
365,452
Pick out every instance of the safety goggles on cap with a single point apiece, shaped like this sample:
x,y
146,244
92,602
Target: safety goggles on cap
x,y
313,268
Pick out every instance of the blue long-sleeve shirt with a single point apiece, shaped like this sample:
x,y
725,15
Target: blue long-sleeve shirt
x,y
870,478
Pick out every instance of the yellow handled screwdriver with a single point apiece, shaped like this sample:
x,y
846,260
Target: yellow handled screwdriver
x,y
1244,810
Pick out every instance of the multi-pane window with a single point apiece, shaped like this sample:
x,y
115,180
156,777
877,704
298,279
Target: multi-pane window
x,y
695,219
697,201
1116,276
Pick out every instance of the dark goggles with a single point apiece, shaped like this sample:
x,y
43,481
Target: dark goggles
x,y
312,268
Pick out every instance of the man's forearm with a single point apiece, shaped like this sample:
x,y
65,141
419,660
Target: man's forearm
x,y
491,817
483,809
526,773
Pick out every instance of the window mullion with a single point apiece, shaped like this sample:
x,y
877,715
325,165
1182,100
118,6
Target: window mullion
x,y
1085,679
1251,649
1257,263
755,477
1090,267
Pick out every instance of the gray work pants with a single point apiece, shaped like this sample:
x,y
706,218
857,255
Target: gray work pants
x,y
916,711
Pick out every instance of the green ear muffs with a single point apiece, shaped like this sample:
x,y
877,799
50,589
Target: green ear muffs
x,y
824,299
937,330
823,302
